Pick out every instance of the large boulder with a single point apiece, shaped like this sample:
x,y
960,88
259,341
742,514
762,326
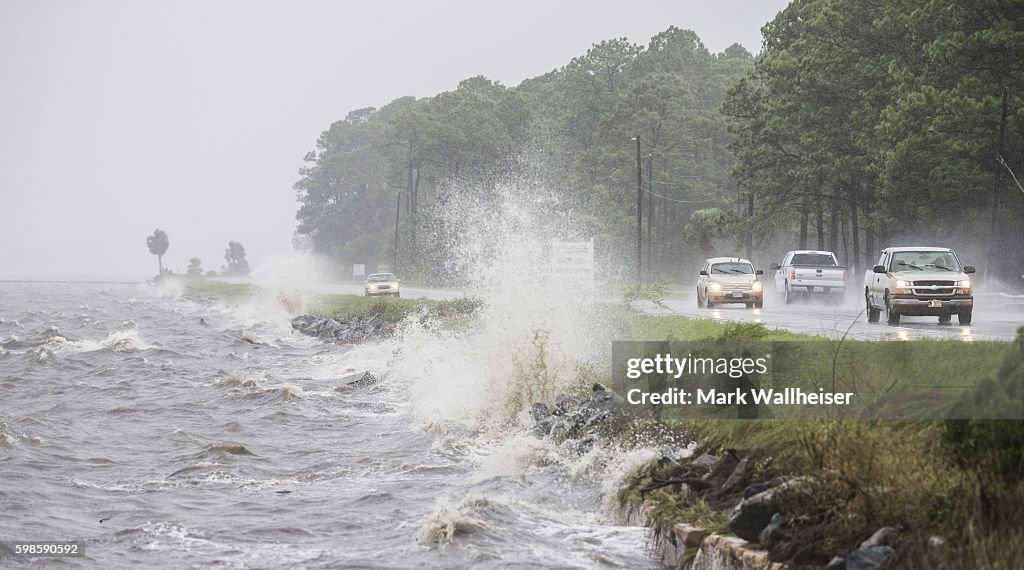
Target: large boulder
x,y
706,460
565,404
603,399
575,420
774,532
753,514
303,322
870,558
330,329
837,563
543,420
756,488
885,536
539,412
587,414
364,380
736,477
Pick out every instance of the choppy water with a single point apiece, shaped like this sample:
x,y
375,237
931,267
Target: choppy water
x,y
164,442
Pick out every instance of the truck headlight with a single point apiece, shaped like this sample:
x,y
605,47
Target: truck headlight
x,y
966,284
714,287
756,286
901,284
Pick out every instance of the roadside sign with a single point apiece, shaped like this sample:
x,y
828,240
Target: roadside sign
x,y
358,270
572,263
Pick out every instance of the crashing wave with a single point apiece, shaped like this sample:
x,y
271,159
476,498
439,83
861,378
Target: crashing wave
x,y
116,341
446,522
13,323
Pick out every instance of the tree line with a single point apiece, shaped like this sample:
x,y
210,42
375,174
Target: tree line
x,y
234,256
868,123
571,129
860,124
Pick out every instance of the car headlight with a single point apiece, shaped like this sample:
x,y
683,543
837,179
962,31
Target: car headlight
x,y
714,287
756,286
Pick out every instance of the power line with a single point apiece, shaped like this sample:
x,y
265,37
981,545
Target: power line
x,y
682,201
1012,175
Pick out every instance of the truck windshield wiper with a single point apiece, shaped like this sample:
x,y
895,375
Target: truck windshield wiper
x,y
905,264
943,267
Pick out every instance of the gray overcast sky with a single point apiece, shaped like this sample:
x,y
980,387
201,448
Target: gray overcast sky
x,y
118,117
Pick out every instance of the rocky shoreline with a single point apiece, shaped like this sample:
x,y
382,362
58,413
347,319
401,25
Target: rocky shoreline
x,y
758,519
344,331
576,421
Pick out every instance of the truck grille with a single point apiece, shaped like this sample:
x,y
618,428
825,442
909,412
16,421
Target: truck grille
x,y
731,287
933,288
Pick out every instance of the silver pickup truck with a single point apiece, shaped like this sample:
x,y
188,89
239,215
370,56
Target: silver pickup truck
x,y
809,272
919,281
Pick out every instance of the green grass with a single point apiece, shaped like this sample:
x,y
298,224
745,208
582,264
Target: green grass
x,y
391,309
214,288
865,473
914,379
337,306
673,327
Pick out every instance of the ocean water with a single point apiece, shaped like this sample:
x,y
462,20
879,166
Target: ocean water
x,y
171,432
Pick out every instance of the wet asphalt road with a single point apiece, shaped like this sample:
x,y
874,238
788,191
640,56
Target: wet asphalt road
x,y
996,317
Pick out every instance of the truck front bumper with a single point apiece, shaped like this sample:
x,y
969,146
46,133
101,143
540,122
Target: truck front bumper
x,y
927,307
720,297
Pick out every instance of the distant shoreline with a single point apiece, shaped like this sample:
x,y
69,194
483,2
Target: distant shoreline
x,y
104,282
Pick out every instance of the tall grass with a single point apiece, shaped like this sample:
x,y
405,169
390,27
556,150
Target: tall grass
x,y
955,484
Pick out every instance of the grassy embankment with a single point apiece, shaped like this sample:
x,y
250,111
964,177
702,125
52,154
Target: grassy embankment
x,y
203,287
961,480
340,306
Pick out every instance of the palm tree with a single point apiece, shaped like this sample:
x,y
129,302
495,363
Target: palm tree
x,y
158,244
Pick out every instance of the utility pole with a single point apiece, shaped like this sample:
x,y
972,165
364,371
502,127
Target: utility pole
x,y
639,215
750,225
650,213
997,182
398,210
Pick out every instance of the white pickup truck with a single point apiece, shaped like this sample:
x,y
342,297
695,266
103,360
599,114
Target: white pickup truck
x,y
809,272
919,281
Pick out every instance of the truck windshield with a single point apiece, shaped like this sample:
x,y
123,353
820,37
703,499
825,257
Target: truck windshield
x,y
732,268
821,259
924,261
